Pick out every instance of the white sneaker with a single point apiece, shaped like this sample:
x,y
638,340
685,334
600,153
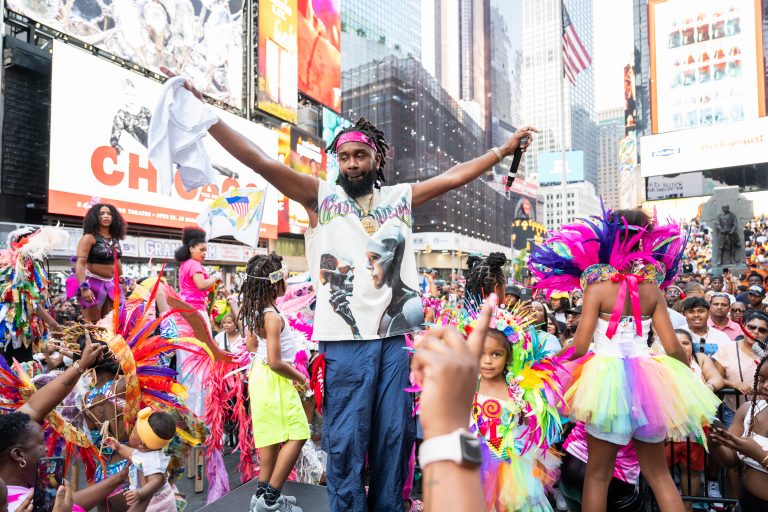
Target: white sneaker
x,y
560,503
713,491
282,505
289,499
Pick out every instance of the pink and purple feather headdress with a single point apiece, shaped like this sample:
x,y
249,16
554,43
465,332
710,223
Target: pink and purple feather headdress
x,y
606,239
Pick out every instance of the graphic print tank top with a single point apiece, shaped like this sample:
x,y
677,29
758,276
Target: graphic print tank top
x,y
367,285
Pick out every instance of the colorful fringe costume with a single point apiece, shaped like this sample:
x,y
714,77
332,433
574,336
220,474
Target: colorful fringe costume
x,y
517,434
620,390
24,285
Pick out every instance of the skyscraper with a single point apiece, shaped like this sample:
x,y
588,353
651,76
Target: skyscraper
x,y
372,30
543,84
610,127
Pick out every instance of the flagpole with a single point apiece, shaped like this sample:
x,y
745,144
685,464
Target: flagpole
x,y
563,174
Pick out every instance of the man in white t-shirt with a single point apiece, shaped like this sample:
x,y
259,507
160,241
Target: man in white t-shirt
x,y
705,338
363,267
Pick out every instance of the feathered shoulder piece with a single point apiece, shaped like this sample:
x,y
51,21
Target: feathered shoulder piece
x,y
532,377
24,284
16,388
595,249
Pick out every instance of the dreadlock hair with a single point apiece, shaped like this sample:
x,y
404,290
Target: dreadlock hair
x,y
486,275
257,294
190,237
376,136
752,412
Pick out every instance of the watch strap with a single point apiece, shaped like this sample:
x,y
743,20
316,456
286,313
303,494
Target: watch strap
x,y
441,448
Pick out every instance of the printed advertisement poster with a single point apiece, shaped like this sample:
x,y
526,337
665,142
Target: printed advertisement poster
x,y
319,29
332,125
278,63
706,63
197,38
98,147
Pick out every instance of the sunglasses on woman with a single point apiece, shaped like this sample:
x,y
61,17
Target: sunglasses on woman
x,y
760,330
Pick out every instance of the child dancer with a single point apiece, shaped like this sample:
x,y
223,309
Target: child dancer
x,y
148,483
514,413
279,424
620,391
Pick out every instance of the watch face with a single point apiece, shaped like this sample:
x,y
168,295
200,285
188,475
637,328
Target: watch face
x,y
470,449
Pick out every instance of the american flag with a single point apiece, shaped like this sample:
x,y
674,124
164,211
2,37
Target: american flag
x,y
241,205
575,55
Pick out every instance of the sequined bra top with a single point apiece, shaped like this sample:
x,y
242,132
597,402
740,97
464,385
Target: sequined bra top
x,y
104,251
628,285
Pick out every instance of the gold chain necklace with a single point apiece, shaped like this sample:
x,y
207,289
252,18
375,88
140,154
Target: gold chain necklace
x,y
366,220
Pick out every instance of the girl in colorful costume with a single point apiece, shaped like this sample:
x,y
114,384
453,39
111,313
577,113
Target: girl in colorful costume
x,y
515,413
620,391
280,426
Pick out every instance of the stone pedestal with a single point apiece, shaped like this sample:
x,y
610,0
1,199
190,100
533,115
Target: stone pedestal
x,y
742,208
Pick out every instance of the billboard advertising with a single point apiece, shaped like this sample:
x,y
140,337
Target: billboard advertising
x,y
630,100
551,165
705,148
200,39
628,153
675,186
706,63
307,153
319,30
98,147
278,64
332,125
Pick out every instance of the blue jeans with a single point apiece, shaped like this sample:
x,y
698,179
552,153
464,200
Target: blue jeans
x,y
366,411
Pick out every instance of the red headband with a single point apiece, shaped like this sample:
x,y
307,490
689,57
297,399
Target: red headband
x,y
355,137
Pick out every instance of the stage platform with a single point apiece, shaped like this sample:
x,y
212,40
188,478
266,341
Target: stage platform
x,y
311,498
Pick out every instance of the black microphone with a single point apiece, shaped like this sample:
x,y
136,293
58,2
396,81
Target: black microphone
x,y
516,158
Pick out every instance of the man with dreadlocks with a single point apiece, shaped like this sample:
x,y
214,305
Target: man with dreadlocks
x,y
365,285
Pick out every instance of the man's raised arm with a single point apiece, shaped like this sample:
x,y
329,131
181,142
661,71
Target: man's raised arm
x,y
463,173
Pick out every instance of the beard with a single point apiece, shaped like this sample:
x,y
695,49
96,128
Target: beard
x,y
357,189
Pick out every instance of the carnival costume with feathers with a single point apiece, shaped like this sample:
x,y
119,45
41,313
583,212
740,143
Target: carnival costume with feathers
x,y
620,390
517,435
129,332
24,285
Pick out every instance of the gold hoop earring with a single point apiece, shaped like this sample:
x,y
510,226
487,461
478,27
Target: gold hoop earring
x,y
22,463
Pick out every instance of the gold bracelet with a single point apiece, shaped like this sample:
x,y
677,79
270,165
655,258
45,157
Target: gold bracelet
x,y
496,152
76,366
763,462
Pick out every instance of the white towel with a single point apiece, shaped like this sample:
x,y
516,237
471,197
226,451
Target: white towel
x,y
179,123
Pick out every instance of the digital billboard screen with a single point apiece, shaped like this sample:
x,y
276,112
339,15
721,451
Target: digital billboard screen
x,y
278,60
200,39
98,147
332,125
706,63
319,30
551,165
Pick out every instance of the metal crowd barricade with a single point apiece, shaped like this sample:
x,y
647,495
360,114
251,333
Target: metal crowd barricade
x,y
728,504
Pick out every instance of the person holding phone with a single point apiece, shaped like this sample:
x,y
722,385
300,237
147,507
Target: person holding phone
x,y
22,443
745,444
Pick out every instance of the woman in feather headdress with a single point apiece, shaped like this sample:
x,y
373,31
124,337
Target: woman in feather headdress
x,y
24,300
622,260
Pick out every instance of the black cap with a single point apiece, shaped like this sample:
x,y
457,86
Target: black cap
x,y
574,310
